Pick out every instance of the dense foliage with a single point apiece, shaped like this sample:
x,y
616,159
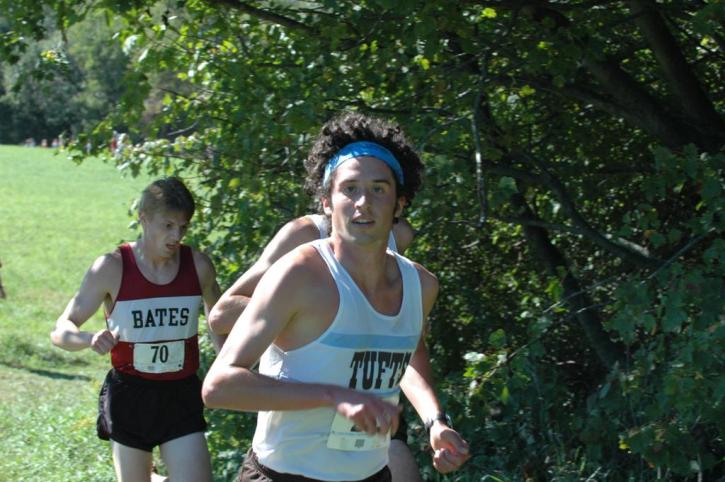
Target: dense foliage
x,y
61,84
573,207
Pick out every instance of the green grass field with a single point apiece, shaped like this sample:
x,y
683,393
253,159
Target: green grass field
x,y
55,219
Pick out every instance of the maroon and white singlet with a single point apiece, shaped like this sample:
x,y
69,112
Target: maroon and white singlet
x,y
157,324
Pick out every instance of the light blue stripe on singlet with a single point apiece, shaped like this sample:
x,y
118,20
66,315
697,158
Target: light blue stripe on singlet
x,y
377,342
388,393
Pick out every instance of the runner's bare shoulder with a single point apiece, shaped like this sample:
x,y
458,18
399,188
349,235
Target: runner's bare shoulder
x,y
202,263
293,234
106,272
429,286
404,234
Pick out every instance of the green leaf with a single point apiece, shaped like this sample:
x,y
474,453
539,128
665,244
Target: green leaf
x,y
604,390
489,12
657,239
526,90
554,289
711,189
497,339
674,314
505,396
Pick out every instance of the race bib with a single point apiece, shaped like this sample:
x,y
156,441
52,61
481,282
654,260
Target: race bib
x,y
344,435
159,357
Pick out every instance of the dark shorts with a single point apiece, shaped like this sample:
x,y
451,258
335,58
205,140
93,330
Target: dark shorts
x,y
253,471
143,413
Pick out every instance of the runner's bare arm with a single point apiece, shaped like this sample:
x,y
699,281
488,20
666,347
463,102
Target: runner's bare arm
x,y
210,291
450,450
101,281
231,384
234,300
417,383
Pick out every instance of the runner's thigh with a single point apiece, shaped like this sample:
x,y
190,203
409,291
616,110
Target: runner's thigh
x,y
132,465
402,464
187,458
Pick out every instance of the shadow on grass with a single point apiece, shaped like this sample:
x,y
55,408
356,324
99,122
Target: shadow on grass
x,y
47,373
18,353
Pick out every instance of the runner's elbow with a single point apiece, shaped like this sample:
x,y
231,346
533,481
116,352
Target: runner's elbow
x,y
213,320
227,388
212,391
217,321
59,338
56,338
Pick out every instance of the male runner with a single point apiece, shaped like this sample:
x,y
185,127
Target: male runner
x,y
338,325
151,290
301,230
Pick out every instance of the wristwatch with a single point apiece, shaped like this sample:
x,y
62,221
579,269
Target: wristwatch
x,y
439,417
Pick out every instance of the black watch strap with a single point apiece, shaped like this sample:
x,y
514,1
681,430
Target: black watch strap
x,y
439,417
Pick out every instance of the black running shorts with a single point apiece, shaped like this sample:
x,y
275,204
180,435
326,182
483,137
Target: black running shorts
x,y
143,413
253,471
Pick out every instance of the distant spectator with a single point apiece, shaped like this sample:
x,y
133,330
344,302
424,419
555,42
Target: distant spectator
x,y
44,143
121,144
114,142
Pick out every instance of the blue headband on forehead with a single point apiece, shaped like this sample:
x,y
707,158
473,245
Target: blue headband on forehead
x,y
363,149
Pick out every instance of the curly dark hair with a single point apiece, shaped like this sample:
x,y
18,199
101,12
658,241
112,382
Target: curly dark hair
x,y
349,127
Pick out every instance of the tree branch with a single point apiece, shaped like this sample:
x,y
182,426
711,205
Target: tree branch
x,y
481,189
266,15
638,258
537,223
686,86
638,106
576,299
641,107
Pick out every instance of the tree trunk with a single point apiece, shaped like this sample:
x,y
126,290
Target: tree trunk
x,y
639,106
577,301
682,80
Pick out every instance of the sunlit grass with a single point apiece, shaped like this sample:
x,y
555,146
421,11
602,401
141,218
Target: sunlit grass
x,y
55,219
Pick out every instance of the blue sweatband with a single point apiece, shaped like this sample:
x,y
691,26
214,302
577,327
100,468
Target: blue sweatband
x,y
363,149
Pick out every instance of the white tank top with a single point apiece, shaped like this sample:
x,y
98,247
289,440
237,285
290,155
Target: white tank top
x,y
321,222
362,349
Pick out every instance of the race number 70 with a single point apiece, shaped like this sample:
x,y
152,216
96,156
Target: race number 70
x,y
160,353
